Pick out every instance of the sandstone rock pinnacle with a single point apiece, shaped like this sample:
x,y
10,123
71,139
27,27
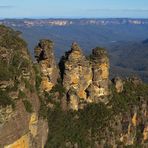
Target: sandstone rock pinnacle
x,y
88,80
45,57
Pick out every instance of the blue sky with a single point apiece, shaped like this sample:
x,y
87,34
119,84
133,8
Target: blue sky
x,y
73,8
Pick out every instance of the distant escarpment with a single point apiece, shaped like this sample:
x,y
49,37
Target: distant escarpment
x,y
72,104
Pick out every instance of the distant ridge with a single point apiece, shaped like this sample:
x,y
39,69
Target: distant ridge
x,y
75,21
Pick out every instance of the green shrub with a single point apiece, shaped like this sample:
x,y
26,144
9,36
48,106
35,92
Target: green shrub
x,y
11,41
5,100
36,69
21,94
43,109
38,82
49,96
16,60
27,84
90,58
59,88
16,85
25,63
4,72
28,106
130,96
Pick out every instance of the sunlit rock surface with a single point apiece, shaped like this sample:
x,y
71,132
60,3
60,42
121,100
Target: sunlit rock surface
x,y
88,78
45,57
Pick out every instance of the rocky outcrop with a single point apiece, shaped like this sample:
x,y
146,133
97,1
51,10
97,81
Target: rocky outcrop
x,y
100,82
136,80
77,76
85,81
131,127
5,114
45,57
118,82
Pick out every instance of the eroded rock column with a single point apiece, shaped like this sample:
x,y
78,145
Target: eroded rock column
x,y
77,76
45,57
99,89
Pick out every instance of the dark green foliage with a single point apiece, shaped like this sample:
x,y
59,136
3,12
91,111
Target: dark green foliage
x,y
12,45
38,82
49,96
88,125
99,51
129,97
5,100
4,72
32,88
36,69
75,126
25,63
96,115
16,85
28,85
10,39
13,88
134,146
139,134
28,106
90,57
21,94
43,109
10,71
59,88
13,63
16,60
37,77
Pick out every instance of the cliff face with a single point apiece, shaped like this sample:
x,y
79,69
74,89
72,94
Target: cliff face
x,y
127,125
20,125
